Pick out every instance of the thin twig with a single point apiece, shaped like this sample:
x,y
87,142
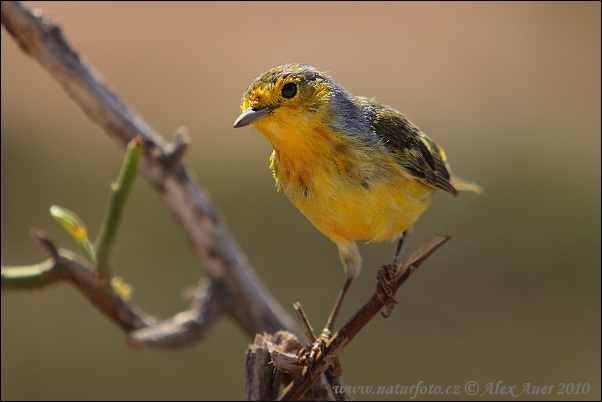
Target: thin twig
x,y
341,338
119,193
65,265
232,286
244,298
305,325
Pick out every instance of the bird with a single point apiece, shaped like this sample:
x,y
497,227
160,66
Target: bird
x,y
359,170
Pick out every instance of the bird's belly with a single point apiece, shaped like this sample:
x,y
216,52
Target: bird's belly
x,y
375,210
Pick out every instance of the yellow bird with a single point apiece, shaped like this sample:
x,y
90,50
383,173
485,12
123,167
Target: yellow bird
x,y
357,169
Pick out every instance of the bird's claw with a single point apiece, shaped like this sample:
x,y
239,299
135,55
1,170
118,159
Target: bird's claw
x,y
308,356
386,274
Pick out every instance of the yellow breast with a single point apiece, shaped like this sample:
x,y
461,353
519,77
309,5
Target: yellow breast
x,y
346,189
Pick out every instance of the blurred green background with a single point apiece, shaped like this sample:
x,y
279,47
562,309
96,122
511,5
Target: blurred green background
x,y
511,91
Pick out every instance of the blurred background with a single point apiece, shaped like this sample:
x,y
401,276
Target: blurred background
x,y
511,91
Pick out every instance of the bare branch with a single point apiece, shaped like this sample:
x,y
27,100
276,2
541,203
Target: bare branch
x,y
186,328
262,380
231,287
64,265
243,297
272,360
341,338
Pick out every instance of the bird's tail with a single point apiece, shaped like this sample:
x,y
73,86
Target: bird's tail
x,y
465,185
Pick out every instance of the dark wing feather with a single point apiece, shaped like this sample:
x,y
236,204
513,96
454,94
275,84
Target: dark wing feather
x,y
415,152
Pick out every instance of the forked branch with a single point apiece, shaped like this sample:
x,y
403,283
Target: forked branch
x,y
244,298
231,286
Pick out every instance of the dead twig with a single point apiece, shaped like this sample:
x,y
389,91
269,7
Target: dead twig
x,y
343,336
242,296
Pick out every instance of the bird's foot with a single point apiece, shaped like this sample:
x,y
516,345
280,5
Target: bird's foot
x,y
308,356
386,274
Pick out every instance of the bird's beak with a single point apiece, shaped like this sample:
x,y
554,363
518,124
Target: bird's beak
x,y
250,115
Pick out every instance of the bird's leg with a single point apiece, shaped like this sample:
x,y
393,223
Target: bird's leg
x,y
352,263
387,273
401,243
327,332
319,344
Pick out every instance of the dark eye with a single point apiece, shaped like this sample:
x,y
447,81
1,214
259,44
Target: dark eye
x,y
289,90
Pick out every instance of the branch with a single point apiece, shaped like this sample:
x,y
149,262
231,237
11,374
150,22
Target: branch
x,y
232,287
64,265
341,338
119,193
241,295
272,360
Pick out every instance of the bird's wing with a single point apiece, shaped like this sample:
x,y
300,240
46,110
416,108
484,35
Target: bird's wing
x,y
414,151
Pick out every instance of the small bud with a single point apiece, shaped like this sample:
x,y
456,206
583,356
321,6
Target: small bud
x,y
70,222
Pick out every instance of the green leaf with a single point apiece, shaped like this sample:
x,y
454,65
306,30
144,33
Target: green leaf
x,y
74,225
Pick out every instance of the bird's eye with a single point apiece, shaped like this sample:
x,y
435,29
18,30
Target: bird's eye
x,y
289,90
